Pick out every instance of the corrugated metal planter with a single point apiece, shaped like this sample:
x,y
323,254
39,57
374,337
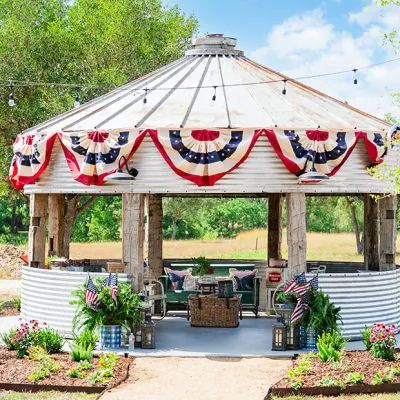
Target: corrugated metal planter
x,y
110,336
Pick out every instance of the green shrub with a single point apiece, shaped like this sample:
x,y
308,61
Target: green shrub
x,y
328,381
366,337
330,346
355,378
75,373
46,364
16,301
84,365
80,352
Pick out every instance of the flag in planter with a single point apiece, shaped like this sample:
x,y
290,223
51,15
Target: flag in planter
x,y
314,283
91,297
112,281
298,280
301,308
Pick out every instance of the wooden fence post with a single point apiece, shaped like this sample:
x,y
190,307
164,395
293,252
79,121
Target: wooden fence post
x,y
37,230
155,239
296,232
56,225
371,233
274,225
387,233
133,237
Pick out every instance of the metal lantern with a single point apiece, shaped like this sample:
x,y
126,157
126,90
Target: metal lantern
x,y
293,337
279,336
148,334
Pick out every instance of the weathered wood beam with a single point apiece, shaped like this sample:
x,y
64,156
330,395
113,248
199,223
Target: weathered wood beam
x,y
37,230
155,239
275,226
296,232
133,237
56,225
371,233
387,233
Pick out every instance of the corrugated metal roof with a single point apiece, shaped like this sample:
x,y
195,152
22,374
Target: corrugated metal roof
x,y
180,95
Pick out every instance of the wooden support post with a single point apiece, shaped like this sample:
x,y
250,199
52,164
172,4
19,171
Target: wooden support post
x,y
56,225
37,230
387,233
371,233
274,225
133,237
296,232
155,240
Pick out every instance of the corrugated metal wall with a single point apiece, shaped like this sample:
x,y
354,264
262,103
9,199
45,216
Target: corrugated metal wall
x,y
365,298
262,172
46,295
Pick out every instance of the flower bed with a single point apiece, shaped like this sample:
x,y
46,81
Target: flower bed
x,y
355,372
67,376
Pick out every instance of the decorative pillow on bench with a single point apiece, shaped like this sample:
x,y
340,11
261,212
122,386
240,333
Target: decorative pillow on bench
x,y
243,281
177,277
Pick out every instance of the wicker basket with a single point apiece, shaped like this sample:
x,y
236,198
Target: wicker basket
x,y
212,311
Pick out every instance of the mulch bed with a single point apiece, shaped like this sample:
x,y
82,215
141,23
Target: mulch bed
x,y
15,371
9,312
352,361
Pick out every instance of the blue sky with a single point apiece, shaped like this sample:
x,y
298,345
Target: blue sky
x,y
310,37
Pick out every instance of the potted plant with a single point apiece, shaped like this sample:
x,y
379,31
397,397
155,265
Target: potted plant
x,y
321,316
109,315
202,268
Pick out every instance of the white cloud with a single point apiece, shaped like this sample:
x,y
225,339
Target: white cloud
x,y
307,44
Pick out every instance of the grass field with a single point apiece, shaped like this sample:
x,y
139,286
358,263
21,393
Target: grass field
x,y
250,245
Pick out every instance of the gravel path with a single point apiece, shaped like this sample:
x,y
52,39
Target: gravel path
x,y
9,288
173,378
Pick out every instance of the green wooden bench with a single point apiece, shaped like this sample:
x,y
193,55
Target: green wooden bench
x,y
178,299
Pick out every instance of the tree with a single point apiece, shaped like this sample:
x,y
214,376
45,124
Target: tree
x,y
101,43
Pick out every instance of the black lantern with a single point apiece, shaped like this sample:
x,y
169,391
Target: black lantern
x,y
148,334
279,336
293,337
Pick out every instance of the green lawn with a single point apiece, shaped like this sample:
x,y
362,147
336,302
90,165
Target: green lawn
x,y
46,396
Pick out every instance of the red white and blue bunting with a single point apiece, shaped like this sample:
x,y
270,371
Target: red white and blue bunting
x,y
201,156
298,149
91,156
31,157
204,156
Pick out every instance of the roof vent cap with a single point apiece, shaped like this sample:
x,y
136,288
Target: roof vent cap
x,y
214,43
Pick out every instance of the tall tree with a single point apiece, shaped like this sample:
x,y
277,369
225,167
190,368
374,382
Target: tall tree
x,y
90,42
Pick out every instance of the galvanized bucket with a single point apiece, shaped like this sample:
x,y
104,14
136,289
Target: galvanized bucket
x,y
110,336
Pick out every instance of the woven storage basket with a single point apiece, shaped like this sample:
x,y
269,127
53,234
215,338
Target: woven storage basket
x,y
213,311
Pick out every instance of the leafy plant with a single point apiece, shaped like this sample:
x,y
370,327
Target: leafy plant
x,y
46,364
75,373
202,266
297,383
79,352
126,311
8,338
50,339
86,338
108,360
84,365
380,378
330,346
16,301
321,315
286,298
355,378
328,381
366,337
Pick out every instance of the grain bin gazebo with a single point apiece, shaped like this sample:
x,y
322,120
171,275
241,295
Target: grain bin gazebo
x,y
210,123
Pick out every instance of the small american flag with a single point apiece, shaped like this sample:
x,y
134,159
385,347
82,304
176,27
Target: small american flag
x,y
299,280
314,283
114,287
301,289
91,296
301,308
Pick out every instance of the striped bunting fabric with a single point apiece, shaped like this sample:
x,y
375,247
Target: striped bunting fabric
x,y
91,297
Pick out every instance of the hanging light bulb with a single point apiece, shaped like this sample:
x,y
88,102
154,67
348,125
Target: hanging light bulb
x,y
355,81
11,100
312,176
77,101
284,87
145,96
215,94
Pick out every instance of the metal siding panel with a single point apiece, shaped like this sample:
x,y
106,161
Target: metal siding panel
x,y
262,172
46,295
365,298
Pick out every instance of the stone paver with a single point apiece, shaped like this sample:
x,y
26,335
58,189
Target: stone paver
x,y
174,378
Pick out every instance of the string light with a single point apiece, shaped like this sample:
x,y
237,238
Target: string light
x,y
284,87
12,84
77,101
355,76
11,100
